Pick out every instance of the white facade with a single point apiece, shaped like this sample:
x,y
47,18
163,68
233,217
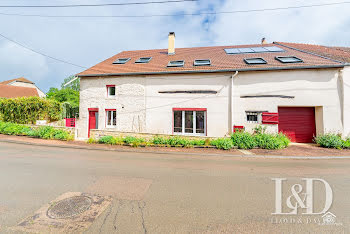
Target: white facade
x,y
140,107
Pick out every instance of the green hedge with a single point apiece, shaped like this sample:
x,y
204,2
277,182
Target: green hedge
x,y
331,140
27,110
241,140
44,132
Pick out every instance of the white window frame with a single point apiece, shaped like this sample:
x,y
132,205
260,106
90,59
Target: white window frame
x,y
259,116
115,91
111,126
194,133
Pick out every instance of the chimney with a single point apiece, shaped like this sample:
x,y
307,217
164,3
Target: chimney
x,y
263,41
171,47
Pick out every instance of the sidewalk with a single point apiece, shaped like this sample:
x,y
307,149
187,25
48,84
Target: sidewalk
x,y
294,150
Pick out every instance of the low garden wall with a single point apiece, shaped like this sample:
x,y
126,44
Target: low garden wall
x,y
97,134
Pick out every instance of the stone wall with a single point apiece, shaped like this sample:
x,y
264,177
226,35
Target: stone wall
x,y
68,129
97,134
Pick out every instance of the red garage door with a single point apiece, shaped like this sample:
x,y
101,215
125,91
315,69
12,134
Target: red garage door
x,y
298,123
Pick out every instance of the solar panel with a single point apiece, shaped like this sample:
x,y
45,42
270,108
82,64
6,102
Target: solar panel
x,y
233,51
259,49
255,61
246,50
274,49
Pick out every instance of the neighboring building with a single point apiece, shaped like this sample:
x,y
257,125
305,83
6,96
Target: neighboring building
x,y
206,91
8,91
23,82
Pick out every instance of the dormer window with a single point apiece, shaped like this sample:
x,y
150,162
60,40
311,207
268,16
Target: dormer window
x,y
121,61
144,60
179,63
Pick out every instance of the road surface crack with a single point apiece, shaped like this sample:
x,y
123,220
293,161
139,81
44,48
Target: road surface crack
x,y
120,204
141,206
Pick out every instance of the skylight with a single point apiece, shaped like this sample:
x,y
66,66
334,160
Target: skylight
x,y
247,50
121,61
179,63
255,61
202,62
289,59
143,60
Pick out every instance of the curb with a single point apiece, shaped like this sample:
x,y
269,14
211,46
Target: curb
x,y
251,155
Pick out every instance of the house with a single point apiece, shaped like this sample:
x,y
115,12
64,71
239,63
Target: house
x,y
23,82
209,91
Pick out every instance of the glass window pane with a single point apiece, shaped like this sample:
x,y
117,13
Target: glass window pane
x,y
177,121
111,91
114,118
108,118
200,122
189,121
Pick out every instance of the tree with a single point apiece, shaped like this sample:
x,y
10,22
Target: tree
x,y
68,93
64,95
75,85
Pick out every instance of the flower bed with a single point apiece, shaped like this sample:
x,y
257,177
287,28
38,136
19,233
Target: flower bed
x,y
240,140
44,132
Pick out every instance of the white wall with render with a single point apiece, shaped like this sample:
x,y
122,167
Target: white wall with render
x,y
141,108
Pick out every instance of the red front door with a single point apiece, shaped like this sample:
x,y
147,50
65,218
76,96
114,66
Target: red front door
x,y
92,120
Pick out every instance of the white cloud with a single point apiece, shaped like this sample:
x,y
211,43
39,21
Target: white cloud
x,y
16,62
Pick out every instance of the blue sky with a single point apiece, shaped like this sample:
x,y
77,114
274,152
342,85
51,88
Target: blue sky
x,y
87,41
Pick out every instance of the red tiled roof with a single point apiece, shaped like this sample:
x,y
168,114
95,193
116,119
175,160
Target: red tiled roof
x,y
21,79
9,91
220,61
341,54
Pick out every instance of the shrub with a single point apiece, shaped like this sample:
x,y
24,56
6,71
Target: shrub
x,y
243,140
331,140
271,141
178,141
45,132
347,143
106,140
26,110
159,140
130,140
223,143
92,140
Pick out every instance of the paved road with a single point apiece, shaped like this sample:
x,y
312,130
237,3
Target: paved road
x,y
158,193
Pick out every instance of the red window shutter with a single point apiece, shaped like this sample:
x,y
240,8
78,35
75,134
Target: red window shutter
x,y
269,118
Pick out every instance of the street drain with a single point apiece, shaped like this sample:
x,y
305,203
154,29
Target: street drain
x,y
69,207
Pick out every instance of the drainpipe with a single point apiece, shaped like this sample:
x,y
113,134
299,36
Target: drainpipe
x,y
230,111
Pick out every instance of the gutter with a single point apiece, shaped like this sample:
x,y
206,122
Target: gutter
x,y
214,71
